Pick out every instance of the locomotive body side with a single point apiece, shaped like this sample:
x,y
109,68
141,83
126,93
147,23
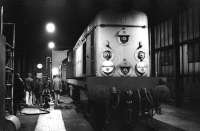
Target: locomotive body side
x,y
67,69
78,61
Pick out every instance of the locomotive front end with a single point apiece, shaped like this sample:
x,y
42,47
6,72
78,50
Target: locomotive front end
x,y
122,45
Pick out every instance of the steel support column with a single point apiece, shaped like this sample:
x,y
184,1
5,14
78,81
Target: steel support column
x,y
178,88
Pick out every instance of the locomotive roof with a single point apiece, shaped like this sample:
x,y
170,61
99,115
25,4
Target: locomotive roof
x,y
113,17
107,17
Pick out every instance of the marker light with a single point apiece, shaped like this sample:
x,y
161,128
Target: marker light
x,y
125,68
140,68
107,67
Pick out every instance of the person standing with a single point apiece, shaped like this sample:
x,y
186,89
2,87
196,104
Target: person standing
x,y
38,86
29,89
57,87
161,94
18,92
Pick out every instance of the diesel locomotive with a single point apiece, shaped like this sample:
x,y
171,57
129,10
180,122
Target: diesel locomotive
x,y
110,66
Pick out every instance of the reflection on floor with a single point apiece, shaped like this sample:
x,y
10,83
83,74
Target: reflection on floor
x,y
52,121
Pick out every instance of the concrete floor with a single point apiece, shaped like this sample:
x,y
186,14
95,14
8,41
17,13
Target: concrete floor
x,y
61,118
183,118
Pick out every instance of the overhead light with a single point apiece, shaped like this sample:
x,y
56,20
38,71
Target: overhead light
x,y
51,44
39,66
50,27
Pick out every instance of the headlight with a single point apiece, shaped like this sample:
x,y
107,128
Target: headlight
x,y
141,55
107,54
124,39
140,68
107,67
123,36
